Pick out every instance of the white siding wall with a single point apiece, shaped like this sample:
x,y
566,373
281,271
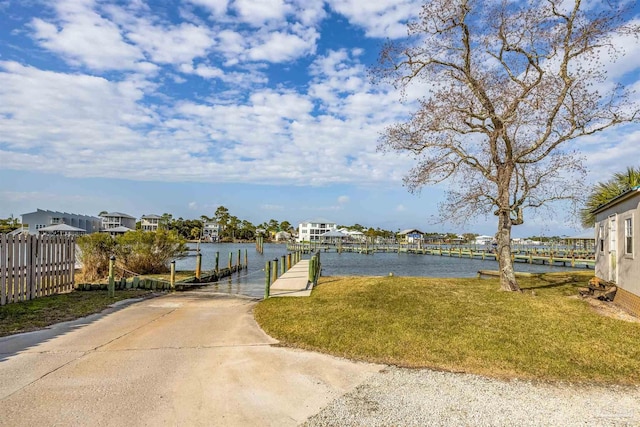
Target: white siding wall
x,y
312,230
612,262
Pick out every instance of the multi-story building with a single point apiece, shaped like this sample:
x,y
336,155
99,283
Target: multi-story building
x,y
34,221
310,231
211,231
112,220
410,236
150,222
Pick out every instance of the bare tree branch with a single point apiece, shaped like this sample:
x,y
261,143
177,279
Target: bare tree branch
x,y
511,84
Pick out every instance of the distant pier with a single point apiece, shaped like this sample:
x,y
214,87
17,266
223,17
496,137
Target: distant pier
x,y
552,257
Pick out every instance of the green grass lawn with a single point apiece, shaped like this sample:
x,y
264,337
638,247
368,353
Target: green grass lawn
x,y
42,312
462,325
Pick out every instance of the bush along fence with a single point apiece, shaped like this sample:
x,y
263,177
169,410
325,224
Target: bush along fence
x,y
35,266
121,278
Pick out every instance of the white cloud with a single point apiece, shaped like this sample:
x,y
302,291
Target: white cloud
x,y
203,71
259,12
218,7
343,200
382,18
193,206
283,46
171,44
79,34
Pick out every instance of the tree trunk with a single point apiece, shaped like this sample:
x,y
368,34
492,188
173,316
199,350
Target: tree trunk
x,y
507,275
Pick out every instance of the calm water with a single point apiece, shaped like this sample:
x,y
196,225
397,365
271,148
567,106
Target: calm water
x,y
251,281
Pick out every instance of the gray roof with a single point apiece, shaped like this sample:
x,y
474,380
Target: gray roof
x,y
334,234
319,220
585,235
56,213
65,228
409,230
627,194
151,216
18,231
117,214
118,229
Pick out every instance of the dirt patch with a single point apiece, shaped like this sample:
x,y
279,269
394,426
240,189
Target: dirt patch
x,y
609,309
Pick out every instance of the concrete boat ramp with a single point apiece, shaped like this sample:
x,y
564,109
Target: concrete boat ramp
x,y
191,358
293,283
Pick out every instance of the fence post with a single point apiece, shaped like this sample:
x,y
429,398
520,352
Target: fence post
x,y
30,271
198,266
173,275
112,282
267,279
4,270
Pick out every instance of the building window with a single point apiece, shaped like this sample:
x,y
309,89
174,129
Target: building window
x,y
628,236
601,237
612,233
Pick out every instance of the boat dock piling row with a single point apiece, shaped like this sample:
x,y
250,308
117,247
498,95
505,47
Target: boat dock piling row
x,y
559,257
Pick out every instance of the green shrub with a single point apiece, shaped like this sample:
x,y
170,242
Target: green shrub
x,y
145,252
95,250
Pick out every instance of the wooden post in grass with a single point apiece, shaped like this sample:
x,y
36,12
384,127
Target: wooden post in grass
x,y
274,270
312,269
112,281
172,278
267,279
198,266
217,263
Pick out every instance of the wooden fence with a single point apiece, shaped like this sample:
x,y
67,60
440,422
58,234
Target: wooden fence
x,y
35,266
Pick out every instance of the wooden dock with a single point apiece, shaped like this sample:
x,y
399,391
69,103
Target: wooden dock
x,y
565,258
293,283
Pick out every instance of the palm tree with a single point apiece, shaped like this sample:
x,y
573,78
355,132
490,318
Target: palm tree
x,y
606,191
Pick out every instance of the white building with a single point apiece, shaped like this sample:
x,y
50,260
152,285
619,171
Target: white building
x,y
34,221
484,240
354,235
282,236
211,231
310,231
150,222
617,243
117,222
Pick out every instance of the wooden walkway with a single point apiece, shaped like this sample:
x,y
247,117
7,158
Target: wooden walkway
x,y
293,283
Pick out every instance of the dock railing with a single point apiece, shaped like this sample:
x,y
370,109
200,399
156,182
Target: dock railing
x,y
314,269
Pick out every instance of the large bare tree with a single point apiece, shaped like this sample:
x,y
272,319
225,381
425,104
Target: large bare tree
x,y
509,84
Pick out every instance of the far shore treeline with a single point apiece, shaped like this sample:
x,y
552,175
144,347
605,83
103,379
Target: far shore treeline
x,y
237,229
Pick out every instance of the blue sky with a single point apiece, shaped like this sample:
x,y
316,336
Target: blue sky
x,y
264,107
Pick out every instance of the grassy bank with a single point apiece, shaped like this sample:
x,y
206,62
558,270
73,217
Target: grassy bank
x,y
463,325
42,312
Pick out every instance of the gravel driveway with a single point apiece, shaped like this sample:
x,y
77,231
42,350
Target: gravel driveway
x,y
406,397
